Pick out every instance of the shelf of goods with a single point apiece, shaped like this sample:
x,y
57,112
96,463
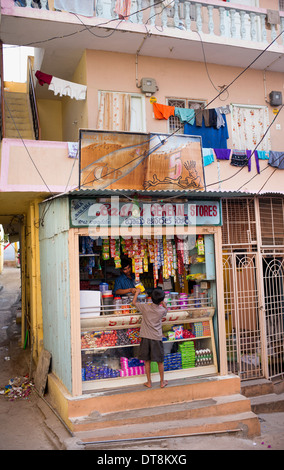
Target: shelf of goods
x,y
188,340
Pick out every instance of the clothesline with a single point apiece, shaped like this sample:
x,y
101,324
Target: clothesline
x,y
242,158
212,117
62,87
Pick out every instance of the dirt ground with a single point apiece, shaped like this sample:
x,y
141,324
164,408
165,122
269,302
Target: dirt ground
x,y
29,424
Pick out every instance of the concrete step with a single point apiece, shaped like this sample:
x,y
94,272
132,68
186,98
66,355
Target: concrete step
x,y
225,405
17,116
269,403
22,124
246,424
253,388
13,134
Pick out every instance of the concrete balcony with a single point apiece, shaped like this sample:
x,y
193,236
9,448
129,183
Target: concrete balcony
x,y
31,169
230,33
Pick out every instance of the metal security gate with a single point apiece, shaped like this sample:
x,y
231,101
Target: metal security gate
x,y
243,332
273,280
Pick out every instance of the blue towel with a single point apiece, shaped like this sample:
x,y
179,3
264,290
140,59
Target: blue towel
x,y
208,156
262,154
185,115
80,7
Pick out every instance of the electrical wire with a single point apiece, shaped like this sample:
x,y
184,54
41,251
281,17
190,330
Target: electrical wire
x,y
26,146
198,111
225,88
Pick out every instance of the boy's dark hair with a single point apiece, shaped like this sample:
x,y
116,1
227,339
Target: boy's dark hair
x,y
157,296
125,262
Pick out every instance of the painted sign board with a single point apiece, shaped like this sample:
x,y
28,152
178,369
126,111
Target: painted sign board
x,y
90,213
140,161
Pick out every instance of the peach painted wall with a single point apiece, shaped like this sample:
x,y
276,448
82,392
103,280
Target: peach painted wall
x,y
74,112
180,79
50,118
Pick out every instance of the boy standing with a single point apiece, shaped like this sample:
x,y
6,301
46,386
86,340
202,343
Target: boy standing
x,y
151,346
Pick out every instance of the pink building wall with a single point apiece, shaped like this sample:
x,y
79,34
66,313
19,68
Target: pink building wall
x,y
180,79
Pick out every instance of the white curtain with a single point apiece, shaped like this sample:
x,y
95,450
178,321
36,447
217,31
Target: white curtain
x,y
114,111
249,125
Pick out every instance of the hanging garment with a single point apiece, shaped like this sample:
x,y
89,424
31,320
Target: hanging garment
x,y
208,156
262,154
73,149
80,7
185,115
222,154
211,137
220,120
225,109
273,17
202,115
276,159
249,155
43,77
162,111
65,88
213,118
239,158
122,9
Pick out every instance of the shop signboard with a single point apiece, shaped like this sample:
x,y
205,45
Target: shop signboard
x,y
140,161
115,213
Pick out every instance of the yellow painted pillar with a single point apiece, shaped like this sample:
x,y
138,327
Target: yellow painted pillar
x,y
33,305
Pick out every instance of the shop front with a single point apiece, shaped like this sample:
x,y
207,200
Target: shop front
x,y
168,228
171,246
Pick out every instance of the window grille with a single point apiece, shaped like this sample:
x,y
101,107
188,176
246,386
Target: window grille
x,y
239,225
281,5
174,123
272,221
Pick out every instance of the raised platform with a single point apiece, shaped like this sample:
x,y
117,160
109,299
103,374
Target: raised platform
x,y
204,405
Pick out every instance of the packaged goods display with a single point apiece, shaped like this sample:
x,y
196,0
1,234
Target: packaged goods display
x,y
128,367
186,357
178,265
187,354
169,258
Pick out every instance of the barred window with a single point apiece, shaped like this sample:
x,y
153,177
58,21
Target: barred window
x,y
174,122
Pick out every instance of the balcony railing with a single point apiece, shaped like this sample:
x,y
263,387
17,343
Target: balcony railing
x,y
213,18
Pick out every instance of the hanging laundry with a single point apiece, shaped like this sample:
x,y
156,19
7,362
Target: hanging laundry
x,y
220,120
43,77
122,9
276,159
200,115
80,7
273,17
211,137
65,88
222,154
213,118
73,149
239,158
185,115
208,156
162,111
249,155
225,109
263,154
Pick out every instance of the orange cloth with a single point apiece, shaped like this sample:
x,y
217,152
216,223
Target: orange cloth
x,y
162,111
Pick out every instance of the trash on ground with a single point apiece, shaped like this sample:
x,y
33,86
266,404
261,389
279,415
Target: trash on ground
x,y
19,387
